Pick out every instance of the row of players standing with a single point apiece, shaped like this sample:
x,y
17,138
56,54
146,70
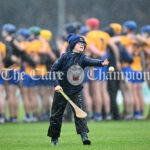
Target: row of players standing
x,y
26,56
30,50
126,51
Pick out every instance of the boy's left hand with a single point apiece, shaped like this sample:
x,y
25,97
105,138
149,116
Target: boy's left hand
x,y
105,62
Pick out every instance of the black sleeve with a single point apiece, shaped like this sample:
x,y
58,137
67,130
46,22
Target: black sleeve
x,y
9,50
46,60
91,62
25,57
57,67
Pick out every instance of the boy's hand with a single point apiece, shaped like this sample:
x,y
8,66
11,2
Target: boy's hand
x,y
105,62
58,88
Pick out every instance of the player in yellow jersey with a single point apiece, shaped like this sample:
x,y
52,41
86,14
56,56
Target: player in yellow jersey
x,y
45,87
99,41
145,30
125,44
2,99
29,82
28,65
12,80
135,70
137,80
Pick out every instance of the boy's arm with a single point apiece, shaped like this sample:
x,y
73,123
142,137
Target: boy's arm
x,y
94,62
55,68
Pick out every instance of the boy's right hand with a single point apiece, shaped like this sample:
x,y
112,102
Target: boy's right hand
x,y
58,88
105,62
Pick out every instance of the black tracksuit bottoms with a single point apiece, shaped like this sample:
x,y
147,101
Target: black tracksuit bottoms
x,y
58,107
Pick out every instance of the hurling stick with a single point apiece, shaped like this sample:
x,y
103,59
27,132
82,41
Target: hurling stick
x,y
79,112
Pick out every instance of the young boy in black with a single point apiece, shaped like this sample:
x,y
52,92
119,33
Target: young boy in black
x,y
74,56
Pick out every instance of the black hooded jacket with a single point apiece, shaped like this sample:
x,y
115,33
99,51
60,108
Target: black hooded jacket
x,y
62,65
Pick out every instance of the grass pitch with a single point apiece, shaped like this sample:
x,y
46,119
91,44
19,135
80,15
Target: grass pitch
x,y
119,135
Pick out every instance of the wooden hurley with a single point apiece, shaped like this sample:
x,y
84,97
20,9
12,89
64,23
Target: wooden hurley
x,y
79,112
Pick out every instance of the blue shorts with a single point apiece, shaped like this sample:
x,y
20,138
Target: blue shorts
x,y
2,81
127,72
21,69
44,81
133,76
86,72
14,77
29,81
100,73
137,77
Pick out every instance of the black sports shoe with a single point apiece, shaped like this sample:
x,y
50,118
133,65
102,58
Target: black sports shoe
x,y
85,139
54,141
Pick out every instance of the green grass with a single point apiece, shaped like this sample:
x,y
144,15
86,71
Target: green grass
x,y
119,135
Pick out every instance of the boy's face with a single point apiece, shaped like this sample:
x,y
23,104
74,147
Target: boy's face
x,y
79,47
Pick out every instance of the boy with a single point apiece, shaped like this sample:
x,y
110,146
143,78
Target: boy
x,y
74,56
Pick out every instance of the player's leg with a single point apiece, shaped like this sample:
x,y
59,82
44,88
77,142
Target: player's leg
x,y
148,82
45,112
34,103
26,103
87,93
87,99
97,100
16,101
12,102
50,90
127,93
26,84
96,94
141,99
137,85
50,95
41,94
81,123
47,100
137,113
106,99
125,98
47,91
58,107
14,76
148,77
113,86
2,105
